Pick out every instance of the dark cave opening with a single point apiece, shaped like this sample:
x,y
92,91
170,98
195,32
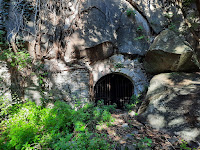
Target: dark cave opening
x,y
114,88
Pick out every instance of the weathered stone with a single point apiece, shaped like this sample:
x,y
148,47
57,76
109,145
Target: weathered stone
x,y
131,147
99,23
128,137
153,12
1,17
130,68
33,94
5,81
158,14
70,85
172,104
132,113
125,125
177,18
44,38
169,52
129,34
98,52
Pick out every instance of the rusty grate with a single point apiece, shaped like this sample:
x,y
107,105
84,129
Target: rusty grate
x,y
114,88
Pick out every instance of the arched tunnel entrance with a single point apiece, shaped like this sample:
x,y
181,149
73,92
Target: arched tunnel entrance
x,y
113,88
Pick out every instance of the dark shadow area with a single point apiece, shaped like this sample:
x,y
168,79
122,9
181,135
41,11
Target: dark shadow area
x,y
114,89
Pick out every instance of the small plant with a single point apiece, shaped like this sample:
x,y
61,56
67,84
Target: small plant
x,y
133,103
172,26
144,143
20,59
135,99
139,28
130,12
183,145
139,38
118,65
186,3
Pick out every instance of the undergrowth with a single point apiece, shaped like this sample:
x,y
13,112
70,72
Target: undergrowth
x,y
29,126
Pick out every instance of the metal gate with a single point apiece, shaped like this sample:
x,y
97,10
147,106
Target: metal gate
x,y
114,88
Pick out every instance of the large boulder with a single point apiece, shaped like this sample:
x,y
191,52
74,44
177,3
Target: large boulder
x,y
169,52
159,13
107,21
172,104
78,27
154,13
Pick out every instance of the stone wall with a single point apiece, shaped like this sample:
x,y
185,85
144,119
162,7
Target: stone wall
x,y
5,81
131,68
71,85
76,83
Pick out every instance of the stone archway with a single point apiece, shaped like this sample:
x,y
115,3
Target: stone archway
x,y
114,88
130,68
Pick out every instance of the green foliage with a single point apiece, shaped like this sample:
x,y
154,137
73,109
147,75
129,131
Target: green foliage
x,y
172,27
130,12
4,107
187,2
8,107
19,59
118,65
61,127
139,28
83,141
183,145
133,103
144,143
139,38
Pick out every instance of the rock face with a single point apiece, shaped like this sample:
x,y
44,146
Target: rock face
x,y
98,52
158,13
107,21
172,104
5,81
130,68
152,10
169,53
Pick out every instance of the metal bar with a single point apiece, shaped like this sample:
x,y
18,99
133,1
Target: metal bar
x,y
114,88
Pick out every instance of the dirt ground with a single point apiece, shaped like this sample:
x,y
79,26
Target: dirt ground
x,y
129,134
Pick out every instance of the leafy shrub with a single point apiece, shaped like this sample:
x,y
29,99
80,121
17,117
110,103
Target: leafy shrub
x,y
144,143
133,102
184,146
4,106
130,11
61,127
8,107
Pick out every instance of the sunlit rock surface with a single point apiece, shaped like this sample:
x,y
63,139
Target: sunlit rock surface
x,y
107,21
169,52
5,81
172,104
